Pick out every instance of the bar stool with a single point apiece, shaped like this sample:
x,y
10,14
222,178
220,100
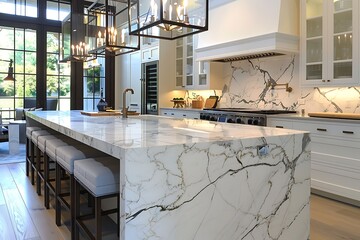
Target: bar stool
x,y
65,158
100,177
30,152
42,142
50,157
37,164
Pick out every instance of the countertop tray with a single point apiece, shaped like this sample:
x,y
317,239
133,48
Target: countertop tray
x,y
93,114
335,115
108,113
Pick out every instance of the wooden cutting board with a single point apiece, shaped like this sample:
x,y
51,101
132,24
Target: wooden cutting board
x,y
97,114
335,115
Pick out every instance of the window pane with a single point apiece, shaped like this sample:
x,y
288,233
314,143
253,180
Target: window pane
x,y
52,42
31,8
52,86
19,61
20,7
65,69
30,62
64,104
64,86
19,39
19,85
8,34
30,40
52,64
7,6
64,11
52,11
30,86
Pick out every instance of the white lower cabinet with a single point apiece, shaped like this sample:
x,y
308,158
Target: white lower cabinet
x,y
335,154
180,113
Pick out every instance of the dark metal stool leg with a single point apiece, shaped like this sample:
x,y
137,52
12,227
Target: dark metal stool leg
x,y
46,181
37,170
32,160
27,157
98,218
57,193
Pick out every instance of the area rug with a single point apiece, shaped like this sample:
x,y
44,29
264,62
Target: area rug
x,y
6,158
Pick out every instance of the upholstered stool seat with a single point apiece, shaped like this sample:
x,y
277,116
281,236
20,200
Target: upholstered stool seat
x,y
52,145
29,130
101,178
36,134
42,140
66,155
30,152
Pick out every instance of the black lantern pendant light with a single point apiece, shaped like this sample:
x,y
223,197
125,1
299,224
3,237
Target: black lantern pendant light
x,y
108,28
75,46
168,19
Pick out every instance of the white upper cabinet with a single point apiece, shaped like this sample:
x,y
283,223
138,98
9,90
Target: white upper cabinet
x,y
195,75
329,45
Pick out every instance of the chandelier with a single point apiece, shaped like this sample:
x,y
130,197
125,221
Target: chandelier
x,y
107,28
168,19
74,42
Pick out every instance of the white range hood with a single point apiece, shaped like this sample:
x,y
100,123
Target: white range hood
x,y
243,29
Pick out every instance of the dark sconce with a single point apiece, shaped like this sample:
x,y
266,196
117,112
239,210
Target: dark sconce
x,y
10,76
168,19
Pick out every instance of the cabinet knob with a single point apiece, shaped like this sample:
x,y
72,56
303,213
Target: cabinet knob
x,y
279,126
323,80
348,132
328,80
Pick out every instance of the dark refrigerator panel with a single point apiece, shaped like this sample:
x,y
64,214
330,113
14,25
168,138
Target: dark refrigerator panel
x,y
149,88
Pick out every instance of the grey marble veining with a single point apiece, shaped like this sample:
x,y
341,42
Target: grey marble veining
x,y
246,86
191,179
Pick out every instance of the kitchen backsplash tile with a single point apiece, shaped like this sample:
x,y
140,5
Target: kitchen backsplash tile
x,y
246,86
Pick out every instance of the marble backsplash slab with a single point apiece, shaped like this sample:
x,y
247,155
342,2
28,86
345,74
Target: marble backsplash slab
x,y
247,85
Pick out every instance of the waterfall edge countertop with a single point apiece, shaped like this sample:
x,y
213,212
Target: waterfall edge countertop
x,y
194,179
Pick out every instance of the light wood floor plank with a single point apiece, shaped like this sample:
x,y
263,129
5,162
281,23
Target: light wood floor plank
x,y
332,220
43,218
22,223
6,229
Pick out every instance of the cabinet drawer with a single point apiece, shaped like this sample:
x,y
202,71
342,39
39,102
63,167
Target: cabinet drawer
x,y
327,129
276,123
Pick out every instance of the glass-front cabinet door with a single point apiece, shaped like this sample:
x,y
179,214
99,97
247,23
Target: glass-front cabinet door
x,y
314,40
185,62
330,38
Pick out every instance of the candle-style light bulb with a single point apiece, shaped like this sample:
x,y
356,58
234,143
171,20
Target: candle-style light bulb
x,y
170,11
185,5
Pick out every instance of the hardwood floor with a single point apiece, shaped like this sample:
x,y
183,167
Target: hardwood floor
x,y
22,212
23,215
332,220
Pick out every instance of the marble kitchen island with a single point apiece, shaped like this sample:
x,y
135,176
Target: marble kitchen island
x,y
185,179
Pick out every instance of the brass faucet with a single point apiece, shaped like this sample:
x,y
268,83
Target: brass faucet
x,y
125,110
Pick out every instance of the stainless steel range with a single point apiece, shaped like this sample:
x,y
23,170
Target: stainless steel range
x,y
239,115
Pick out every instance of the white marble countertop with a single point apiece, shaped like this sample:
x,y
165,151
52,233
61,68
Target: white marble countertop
x,y
307,118
146,130
183,109
186,179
